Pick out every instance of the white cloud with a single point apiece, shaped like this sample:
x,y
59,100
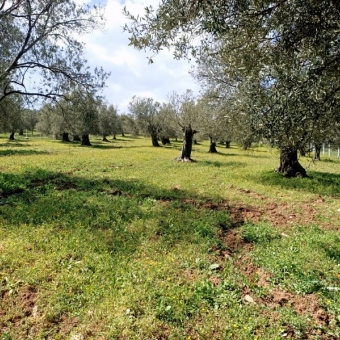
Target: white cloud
x,y
130,72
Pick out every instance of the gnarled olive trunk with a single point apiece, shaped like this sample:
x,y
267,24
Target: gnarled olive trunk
x,y
227,144
289,164
165,140
154,139
247,144
212,147
188,134
76,138
317,151
11,136
302,150
105,139
65,137
85,140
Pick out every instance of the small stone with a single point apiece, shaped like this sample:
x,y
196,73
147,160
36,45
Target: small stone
x,y
77,337
249,299
35,311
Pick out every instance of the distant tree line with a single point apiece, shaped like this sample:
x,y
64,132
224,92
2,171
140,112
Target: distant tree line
x,y
269,71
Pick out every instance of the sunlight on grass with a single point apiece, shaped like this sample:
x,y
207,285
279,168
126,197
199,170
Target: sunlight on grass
x,y
119,241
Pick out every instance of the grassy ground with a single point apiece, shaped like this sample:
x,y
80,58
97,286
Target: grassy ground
x,y
118,241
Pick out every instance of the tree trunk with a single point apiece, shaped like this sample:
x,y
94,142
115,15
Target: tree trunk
x,y
11,136
114,136
21,132
302,151
317,151
123,134
154,139
289,164
188,134
65,137
85,140
227,144
105,139
246,144
212,147
76,138
165,140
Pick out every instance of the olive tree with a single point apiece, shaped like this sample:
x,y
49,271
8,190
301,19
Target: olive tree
x,y
40,54
145,113
185,115
282,55
109,122
11,112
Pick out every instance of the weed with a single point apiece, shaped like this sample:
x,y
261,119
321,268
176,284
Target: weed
x,y
119,241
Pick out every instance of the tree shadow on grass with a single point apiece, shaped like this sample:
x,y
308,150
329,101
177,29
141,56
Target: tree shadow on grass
x,y
68,202
12,152
105,146
252,155
321,183
14,144
222,164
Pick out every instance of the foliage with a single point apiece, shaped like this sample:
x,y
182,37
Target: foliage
x,y
11,114
38,39
277,62
109,121
145,112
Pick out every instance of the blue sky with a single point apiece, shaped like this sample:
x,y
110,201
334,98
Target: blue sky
x,y
130,72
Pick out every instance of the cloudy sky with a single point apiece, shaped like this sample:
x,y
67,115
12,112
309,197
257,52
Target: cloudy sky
x,y
130,72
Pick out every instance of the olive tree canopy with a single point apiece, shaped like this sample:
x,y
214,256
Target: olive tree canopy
x,y
282,57
40,55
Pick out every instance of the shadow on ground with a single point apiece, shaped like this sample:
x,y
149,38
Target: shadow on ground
x,y
321,183
11,152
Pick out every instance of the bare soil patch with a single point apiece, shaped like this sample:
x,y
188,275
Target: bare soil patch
x,y
16,309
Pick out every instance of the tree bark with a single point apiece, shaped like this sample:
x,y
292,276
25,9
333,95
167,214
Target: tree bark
x,y
289,164
85,140
114,136
11,136
188,134
165,140
212,147
317,151
302,151
227,144
154,139
246,144
76,138
65,137
105,139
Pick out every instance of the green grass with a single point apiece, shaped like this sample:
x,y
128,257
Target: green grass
x,y
118,241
